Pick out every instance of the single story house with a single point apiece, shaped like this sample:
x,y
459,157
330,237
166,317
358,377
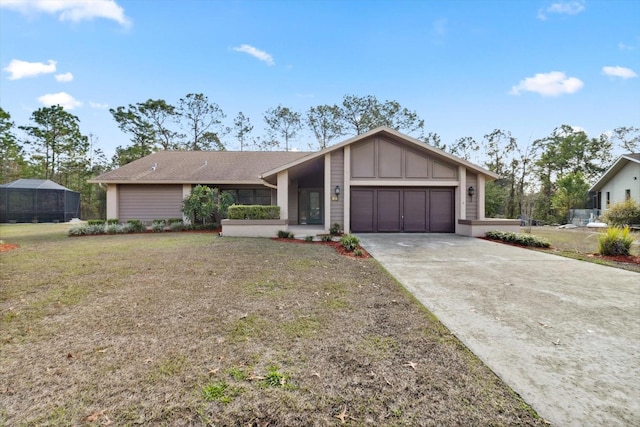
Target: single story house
x,y
619,183
379,181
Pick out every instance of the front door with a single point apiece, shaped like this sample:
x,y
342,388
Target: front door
x,y
310,206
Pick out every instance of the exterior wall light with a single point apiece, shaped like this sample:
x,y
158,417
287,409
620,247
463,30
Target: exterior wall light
x,y
471,191
337,190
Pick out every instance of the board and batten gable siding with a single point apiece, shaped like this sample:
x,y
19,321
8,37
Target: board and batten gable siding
x,y
337,178
472,202
378,158
149,202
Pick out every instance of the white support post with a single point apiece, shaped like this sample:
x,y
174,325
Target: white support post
x,y
327,192
346,192
283,194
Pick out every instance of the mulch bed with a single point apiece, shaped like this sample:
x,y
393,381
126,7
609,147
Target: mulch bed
x,y
6,247
631,259
336,245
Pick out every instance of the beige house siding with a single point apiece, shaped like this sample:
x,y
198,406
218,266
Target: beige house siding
x,y
472,202
337,178
149,202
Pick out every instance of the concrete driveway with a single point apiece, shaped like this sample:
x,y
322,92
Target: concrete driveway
x,y
564,334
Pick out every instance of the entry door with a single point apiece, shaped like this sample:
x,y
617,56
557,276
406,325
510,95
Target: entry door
x,y
310,203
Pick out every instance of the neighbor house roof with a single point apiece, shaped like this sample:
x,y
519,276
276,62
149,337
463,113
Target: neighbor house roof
x,y
199,167
34,184
620,163
393,134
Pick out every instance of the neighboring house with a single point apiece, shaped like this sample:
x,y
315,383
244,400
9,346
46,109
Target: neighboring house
x,y
380,181
619,183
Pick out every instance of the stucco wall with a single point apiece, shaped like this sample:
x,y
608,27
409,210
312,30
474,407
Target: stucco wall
x,y
627,179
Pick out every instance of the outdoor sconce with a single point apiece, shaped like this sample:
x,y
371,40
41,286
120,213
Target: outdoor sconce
x,y
471,191
336,191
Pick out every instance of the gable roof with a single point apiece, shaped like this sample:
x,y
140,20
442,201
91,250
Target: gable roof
x,y
620,163
34,184
393,134
198,167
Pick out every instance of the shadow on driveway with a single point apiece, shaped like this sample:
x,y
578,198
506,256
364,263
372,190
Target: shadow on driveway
x,y
564,334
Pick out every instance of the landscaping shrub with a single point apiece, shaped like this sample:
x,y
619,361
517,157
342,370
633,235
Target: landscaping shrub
x,y
623,213
95,222
616,241
254,212
326,238
176,225
113,221
349,242
158,225
93,229
335,229
517,238
111,228
308,239
282,234
136,225
77,230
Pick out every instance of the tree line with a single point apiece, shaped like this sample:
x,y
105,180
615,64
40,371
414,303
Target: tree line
x,y
543,179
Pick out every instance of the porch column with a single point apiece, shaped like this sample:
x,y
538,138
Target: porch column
x,y
112,201
283,194
346,196
481,194
327,192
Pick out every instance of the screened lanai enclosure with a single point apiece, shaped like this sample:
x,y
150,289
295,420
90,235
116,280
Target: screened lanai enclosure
x,y
37,200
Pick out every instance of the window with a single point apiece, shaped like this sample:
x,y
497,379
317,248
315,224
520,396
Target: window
x,y
627,194
608,199
252,196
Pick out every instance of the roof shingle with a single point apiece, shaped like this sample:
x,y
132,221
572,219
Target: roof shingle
x,y
200,167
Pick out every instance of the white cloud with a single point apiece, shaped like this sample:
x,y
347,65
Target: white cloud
x,y
623,46
63,99
562,7
66,77
622,72
256,53
98,105
70,10
21,69
548,84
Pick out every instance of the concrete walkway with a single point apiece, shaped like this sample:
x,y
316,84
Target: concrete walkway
x,y
564,334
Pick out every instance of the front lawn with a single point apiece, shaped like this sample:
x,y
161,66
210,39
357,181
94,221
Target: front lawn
x,y
194,329
582,243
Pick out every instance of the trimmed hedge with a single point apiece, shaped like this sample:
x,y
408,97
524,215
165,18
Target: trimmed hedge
x,y
254,212
517,238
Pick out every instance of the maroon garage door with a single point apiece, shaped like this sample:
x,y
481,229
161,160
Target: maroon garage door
x,y
394,210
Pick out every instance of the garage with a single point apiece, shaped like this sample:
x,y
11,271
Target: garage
x,y
402,210
149,202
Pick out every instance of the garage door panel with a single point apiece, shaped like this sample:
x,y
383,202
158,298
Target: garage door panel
x,y
415,210
362,210
441,212
389,211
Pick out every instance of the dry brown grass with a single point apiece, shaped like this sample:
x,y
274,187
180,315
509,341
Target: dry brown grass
x,y
582,243
192,329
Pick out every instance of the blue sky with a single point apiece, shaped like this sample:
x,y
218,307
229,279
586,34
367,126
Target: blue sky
x,y
466,67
